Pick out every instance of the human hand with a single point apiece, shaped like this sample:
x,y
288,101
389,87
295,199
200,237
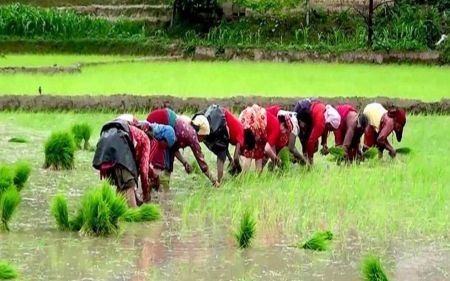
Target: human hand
x,y
324,150
188,167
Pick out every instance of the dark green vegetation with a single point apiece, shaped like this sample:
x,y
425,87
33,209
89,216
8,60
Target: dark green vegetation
x,y
319,242
9,200
7,271
402,27
99,213
285,157
81,134
60,151
246,231
372,270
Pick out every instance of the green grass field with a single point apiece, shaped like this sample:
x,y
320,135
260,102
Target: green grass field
x,y
225,79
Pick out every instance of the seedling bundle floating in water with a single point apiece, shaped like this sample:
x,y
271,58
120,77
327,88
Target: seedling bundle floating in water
x,y
7,271
403,150
319,242
18,140
100,212
372,270
246,231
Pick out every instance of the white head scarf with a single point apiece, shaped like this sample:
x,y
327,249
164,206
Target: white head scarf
x,y
332,116
202,122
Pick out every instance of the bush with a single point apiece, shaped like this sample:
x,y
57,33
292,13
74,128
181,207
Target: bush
x,y
7,271
59,151
20,20
246,231
81,133
9,201
22,171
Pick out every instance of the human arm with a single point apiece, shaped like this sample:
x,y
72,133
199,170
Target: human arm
x,y
382,140
186,165
293,149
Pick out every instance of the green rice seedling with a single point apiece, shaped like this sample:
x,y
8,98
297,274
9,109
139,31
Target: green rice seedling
x,y
246,231
285,156
147,212
403,150
60,212
60,151
371,153
76,222
101,209
22,171
196,168
18,140
337,153
372,270
9,201
82,133
6,178
319,241
7,271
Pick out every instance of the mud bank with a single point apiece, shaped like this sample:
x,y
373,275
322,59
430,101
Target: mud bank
x,y
130,103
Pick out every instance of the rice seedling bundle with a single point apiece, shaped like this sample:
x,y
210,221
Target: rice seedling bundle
x,y
18,140
403,150
22,171
196,168
60,212
246,231
285,157
82,133
146,212
7,271
371,153
372,270
59,151
9,201
6,178
319,242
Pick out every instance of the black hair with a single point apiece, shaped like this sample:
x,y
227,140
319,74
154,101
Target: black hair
x,y
282,120
363,120
249,139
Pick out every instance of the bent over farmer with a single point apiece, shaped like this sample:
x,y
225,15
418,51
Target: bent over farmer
x,y
122,155
224,129
382,123
349,133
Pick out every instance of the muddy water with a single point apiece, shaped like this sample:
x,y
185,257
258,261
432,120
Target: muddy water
x,y
168,250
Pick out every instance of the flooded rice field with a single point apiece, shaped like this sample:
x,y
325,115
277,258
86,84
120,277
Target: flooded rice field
x,y
172,249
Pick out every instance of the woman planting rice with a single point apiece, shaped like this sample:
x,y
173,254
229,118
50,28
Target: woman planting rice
x,y
120,168
265,129
382,123
224,129
316,120
352,127
290,131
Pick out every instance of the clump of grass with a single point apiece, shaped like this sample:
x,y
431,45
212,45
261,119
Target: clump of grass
x,y
319,242
147,212
372,270
6,178
82,133
403,150
60,151
7,271
18,140
196,168
371,153
246,231
22,171
60,212
9,201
